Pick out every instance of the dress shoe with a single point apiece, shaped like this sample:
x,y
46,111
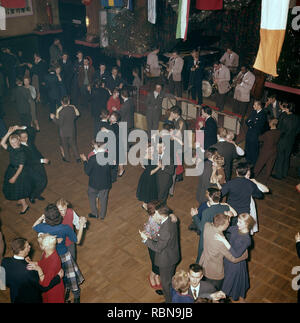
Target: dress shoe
x,y
64,159
40,198
25,210
90,215
32,200
120,175
159,292
78,160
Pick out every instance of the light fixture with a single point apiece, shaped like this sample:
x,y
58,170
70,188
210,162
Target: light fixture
x,y
87,21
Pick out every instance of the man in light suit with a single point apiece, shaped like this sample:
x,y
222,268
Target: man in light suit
x,y
166,249
244,82
174,76
221,80
231,60
152,61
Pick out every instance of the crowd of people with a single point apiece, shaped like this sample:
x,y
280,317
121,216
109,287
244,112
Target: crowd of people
x,y
225,230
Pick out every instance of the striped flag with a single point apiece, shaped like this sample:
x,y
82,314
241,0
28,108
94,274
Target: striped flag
x,y
129,5
274,15
183,19
2,18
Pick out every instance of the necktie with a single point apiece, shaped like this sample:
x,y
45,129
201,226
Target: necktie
x,y
195,293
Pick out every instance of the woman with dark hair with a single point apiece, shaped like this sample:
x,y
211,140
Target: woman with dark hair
x,y
236,277
17,184
51,222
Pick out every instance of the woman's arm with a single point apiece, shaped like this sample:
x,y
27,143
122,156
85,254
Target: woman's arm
x,y
155,170
9,132
39,220
36,267
13,179
82,222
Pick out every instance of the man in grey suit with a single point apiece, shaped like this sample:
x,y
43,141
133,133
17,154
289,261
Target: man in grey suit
x,y
166,249
221,80
65,119
154,107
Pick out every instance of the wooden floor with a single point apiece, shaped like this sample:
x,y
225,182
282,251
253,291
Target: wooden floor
x,y
112,258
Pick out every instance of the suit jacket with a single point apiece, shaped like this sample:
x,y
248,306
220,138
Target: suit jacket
x,y
112,83
127,113
213,254
195,77
152,61
40,69
98,98
206,288
99,175
256,125
65,117
271,112
81,74
210,132
289,126
166,247
176,66
24,284
55,88
228,151
242,90
222,77
298,248
270,140
231,61
22,97
67,70
240,190
101,77
154,105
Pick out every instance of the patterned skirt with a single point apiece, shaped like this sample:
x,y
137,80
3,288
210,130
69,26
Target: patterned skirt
x,y
72,275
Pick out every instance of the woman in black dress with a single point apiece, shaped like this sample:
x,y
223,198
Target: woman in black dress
x,y
147,186
236,277
17,184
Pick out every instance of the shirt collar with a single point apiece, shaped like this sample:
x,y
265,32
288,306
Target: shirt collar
x,y
24,143
164,220
18,257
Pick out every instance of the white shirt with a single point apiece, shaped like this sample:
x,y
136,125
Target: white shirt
x,y
155,94
197,289
239,150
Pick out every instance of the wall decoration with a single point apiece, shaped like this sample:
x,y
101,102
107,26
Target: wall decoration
x,y
20,12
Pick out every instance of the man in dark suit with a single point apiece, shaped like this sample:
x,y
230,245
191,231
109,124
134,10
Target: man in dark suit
x,y
23,283
78,63
210,128
204,178
21,95
40,69
114,81
67,72
102,74
272,108
85,79
36,168
164,175
199,288
127,110
154,107
99,173
166,249
196,74
229,150
289,127
256,124
65,119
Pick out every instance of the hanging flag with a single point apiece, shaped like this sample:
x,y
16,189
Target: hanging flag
x,y
2,18
152,11
129,5
183,19
274,15
112,3
209,4
13,4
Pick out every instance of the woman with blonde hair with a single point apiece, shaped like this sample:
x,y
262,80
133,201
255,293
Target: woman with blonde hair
x,y
180,286
48,267
236,277
218,174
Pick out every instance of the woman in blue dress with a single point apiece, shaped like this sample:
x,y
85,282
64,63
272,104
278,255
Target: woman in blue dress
x,y
236,277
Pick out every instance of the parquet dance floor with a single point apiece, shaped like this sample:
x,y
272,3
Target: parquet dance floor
x,y
112,258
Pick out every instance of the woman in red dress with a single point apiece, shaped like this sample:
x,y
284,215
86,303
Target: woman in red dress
x,y
48,267
113,103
